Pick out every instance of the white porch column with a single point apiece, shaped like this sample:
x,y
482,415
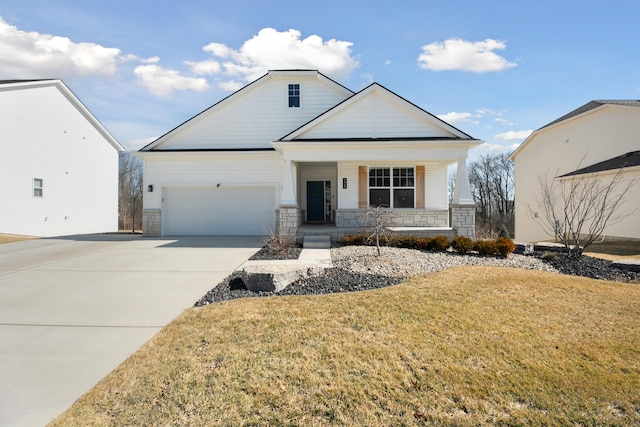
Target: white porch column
x,y
462,193
288,198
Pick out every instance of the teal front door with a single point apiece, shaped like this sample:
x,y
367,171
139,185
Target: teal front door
x,y
315,200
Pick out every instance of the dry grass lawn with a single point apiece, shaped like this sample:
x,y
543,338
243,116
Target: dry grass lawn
x,y
9,238
467,346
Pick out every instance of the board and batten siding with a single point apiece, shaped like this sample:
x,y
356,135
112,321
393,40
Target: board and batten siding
x,y
435,183
209,169
259,116
43,135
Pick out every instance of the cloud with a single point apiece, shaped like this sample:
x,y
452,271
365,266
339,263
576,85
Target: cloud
x,y
488,148
36,55
208,67
457,54
455,117
162,82
271,49
504,122
514,135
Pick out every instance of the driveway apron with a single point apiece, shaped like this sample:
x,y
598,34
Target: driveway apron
x,y
73,308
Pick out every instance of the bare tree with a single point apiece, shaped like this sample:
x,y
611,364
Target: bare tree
x,y
130,192
378,219
492,184
576,209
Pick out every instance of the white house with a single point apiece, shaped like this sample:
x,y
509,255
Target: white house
x,y
58,164
594,140
295,147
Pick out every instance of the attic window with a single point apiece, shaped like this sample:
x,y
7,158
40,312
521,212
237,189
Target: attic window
x,y
294,96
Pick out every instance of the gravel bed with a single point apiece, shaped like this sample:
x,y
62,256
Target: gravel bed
x,y
265,254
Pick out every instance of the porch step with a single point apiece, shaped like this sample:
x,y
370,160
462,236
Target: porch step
x,y
316,242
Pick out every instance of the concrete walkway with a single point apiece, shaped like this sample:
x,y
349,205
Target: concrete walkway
x,y
72,309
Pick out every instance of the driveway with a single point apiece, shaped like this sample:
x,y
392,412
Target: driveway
x,y
73,308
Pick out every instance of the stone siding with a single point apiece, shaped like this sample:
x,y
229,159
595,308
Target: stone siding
x,y
463,220
151,222
401,218
288,219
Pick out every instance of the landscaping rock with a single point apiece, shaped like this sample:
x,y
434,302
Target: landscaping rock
x,y
274,278
627,264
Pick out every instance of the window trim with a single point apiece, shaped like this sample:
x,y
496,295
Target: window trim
x,y
37,188
290,95
391,187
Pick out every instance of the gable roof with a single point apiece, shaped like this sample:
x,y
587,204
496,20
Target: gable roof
x,y
6,85
592,105
220,104
333,112
589,106
624,161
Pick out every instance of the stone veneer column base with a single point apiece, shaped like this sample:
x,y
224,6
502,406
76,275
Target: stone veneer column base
x,y
288,218
463,220
151,222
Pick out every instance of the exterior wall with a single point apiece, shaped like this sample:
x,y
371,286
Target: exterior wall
x,y
288,220
200,169
44,135
601,134
151,223
463,220
261,115
401,217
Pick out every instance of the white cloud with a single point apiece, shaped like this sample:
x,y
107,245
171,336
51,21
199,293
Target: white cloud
x,y
520,135
208,67
455,117
488,148
457,54
163,82
271,49
231,85
504,122
36,55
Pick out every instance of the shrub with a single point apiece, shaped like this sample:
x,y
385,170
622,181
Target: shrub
x,y
504,246
409,242
462,244
503,231
438,243
485,247
353,240
422,243
278,243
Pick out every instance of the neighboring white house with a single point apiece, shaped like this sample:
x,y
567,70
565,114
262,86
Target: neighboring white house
x,y
599,138
58,164
296,147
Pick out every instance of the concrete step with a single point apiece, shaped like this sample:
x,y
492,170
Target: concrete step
x,y
316,242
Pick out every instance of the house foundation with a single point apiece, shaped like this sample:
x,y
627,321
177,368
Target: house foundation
x,y
463,220
151,222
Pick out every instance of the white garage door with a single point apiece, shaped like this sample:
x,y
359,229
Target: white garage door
x,y
211,211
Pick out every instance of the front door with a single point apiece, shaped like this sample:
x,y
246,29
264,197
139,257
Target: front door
x,y
315,200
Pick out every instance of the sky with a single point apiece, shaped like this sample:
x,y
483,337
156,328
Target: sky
x,y
495,69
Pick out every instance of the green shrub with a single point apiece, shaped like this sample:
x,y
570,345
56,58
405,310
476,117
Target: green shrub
x,y
503,231
438,243
504,246
485,247
462,244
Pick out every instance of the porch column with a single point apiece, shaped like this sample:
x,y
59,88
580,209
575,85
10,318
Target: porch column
x,y
462,192
463,207
288,197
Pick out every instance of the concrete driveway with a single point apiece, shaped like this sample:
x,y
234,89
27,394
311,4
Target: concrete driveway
x,y
72,309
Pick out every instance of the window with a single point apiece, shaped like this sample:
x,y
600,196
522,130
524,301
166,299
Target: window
x,y
385,187
37,187
294,96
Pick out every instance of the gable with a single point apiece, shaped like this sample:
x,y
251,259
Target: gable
x,y
375,113
256,115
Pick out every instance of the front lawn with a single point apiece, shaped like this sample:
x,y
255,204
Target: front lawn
x,y
465,346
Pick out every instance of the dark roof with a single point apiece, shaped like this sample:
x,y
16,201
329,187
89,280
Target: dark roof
x,y
592,105
625,161
6,82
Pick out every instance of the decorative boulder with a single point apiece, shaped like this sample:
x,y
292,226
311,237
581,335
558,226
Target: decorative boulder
x,y
274,278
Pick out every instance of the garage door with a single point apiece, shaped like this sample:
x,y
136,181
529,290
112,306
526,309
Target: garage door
x,y
211,211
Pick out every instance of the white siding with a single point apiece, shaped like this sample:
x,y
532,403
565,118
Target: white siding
x,y
435,186
43,135
257,115
348,198
596,136
207,169
375,116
